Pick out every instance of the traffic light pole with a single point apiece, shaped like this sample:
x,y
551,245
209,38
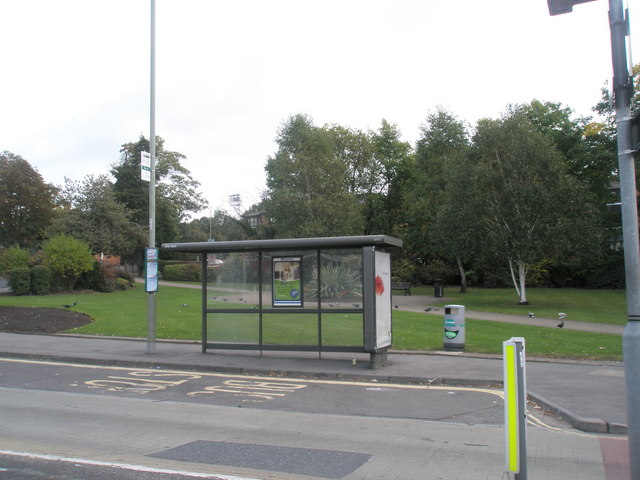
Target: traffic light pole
x,y
623,91
623,94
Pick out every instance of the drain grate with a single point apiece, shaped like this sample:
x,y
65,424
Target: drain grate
x,y
303,461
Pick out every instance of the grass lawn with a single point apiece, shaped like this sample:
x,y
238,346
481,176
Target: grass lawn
x,y
603,306
124,313
415,331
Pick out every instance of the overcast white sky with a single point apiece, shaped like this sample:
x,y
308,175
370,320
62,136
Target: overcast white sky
x,y
75,74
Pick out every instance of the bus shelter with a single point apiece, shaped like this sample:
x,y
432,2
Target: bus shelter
x,y
328,294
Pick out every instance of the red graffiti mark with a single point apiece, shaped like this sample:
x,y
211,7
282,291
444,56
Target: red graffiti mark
x,y
379,285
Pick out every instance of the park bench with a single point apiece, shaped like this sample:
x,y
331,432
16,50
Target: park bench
x,y
406,286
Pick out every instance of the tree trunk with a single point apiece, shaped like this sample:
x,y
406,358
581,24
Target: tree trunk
x,y
463,276
519,280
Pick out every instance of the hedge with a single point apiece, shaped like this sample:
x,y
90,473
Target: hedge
x,y
40,280
20,281
186,272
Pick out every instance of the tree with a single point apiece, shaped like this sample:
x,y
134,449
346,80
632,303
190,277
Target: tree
x,y
589,152
385,212
196,230
92,214
535,209
455,224
26,202
307,184
68,258
443,208
177,192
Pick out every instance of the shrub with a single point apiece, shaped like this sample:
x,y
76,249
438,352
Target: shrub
x,y
40,280
20,280
107,280
189,272
122,283
89,280
403,270
68,258
13,257
337,280
99,278
126,276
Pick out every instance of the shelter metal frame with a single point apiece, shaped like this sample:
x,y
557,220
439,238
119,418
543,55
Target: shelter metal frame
x,y
368,245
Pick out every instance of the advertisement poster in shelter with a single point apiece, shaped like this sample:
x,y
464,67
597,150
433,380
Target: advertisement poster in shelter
x,y
287,282
383,299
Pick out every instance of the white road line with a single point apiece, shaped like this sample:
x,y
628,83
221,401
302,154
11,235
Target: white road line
x,y
124,466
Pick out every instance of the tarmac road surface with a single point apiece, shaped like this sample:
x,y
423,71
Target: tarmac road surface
x,y
146,418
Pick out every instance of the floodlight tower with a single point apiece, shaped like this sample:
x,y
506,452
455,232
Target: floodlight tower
x,y
623,93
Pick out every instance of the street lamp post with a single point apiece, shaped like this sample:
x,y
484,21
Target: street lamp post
x,y
623,93
151,300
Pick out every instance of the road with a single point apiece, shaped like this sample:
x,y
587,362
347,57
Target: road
x,y
76,421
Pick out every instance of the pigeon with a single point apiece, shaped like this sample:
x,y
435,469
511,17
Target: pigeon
x,y
428,309
561,315
70,305
532,315
560,325
396,306
185,304
333,304
356,305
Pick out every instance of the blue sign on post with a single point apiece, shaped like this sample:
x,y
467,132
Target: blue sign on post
x,y
151,270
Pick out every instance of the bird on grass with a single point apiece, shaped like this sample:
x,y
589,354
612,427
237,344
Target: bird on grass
x,y
560,325
532,315
428,309
561,315
70,305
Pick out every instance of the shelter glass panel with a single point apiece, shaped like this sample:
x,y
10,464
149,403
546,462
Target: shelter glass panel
x,y
290,329
233,328
342,329
340,281
232,280
301,265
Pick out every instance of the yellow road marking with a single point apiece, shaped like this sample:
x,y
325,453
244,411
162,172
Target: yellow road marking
x,y
532,419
